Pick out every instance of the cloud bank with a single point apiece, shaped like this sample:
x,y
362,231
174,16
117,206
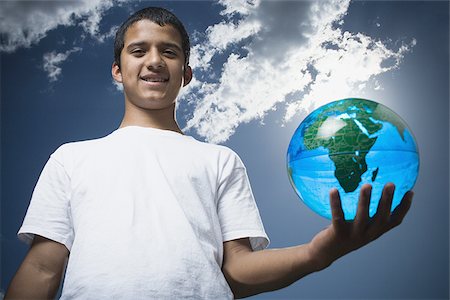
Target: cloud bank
x,y
292,55
25,23
264,55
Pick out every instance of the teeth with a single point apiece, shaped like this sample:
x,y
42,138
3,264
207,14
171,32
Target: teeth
x,y
154,79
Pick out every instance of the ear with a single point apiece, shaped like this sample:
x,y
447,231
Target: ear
x,y
116,73
187,75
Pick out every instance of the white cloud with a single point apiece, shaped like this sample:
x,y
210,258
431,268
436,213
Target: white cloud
x,y
110,34
52,62
291,48
117,85
25,23
220,36
238,7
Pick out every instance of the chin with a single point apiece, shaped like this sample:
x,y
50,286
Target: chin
x,y
155,105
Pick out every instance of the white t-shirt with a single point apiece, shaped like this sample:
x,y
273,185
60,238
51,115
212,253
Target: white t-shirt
x,y
144,213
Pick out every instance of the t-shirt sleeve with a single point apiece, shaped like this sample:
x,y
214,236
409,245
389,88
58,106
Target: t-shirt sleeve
x,y
238,213
48,214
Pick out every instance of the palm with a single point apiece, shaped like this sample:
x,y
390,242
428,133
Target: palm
x,y
342,237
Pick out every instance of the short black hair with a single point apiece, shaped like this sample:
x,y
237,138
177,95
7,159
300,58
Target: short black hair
x,y
159,16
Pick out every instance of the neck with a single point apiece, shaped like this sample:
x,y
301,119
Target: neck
x,y
154,118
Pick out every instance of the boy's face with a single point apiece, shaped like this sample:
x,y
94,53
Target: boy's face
x,y
152,65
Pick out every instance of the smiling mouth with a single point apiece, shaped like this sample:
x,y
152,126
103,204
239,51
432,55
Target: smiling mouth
x,y
154,78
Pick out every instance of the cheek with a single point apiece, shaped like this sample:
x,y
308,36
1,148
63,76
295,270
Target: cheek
x,y
130,73
180,75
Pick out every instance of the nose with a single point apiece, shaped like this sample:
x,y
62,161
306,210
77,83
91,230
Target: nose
x,y
154,60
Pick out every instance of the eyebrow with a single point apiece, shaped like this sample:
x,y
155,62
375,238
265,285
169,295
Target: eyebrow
x,y
165,44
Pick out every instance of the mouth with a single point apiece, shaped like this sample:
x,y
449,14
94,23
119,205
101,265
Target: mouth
x,y
154,78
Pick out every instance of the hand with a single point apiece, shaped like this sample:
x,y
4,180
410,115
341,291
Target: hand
x,y
342,236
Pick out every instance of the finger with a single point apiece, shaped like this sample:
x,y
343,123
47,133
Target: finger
x,y
362,213
381,219
337,214
383,213
401,210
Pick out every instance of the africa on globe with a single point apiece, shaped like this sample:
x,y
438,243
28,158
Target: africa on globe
x,y
345,144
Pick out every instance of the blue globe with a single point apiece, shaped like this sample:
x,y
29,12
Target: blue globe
x,y
345,144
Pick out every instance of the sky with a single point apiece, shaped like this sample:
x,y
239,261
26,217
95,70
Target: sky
x,y
260,67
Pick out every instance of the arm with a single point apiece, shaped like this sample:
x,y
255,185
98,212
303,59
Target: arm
x,y
41,271
250,273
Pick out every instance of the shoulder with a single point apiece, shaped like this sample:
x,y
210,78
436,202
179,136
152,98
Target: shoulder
x,y
226,162
75,146
223,154
70,152
215,148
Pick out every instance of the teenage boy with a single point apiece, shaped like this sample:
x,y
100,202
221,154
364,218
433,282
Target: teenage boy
x,y
149,213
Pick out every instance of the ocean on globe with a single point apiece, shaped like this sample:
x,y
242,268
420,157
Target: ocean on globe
x,y
345,144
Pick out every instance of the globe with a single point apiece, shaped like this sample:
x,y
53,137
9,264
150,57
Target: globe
x,y
345,144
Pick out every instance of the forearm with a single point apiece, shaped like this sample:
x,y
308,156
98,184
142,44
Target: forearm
x,y
33,282
267,270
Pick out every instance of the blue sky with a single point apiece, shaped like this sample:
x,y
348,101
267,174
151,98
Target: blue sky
x,y
259,68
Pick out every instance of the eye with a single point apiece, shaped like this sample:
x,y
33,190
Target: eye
x,y
170,53
138,52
